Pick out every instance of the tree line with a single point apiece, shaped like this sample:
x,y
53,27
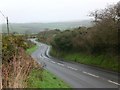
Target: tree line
x,y
101,38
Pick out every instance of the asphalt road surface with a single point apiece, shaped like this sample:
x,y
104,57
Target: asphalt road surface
x,y
76,75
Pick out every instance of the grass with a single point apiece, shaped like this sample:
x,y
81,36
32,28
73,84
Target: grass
x,y
48,80
32,49
102,61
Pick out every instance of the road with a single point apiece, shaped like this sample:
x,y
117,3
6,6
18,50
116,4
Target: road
x,y
76,75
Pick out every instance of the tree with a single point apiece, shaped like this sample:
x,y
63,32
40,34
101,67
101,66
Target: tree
x,y
105,33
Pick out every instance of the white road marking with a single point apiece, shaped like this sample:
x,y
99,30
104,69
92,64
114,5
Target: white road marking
x,y
113,82
52,61
40,56
46,58
60,64
43,56
48,49
72,68
91,74
39,45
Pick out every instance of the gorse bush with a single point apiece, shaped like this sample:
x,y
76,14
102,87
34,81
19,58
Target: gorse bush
x,y
16,64
10,45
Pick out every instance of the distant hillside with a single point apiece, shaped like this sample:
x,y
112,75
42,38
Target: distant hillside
x,y
37,27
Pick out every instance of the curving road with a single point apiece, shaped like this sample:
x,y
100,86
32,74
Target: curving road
x,y
76,75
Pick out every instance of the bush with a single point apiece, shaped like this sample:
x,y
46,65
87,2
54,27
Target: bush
x,y
63,41
10,45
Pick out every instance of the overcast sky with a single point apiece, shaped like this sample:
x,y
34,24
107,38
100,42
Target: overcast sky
x,y
22,11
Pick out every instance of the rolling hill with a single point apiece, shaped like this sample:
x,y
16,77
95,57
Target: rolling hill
x,y
37,27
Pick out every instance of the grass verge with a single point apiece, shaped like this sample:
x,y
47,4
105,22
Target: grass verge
x,y
48,80
102,61
32,49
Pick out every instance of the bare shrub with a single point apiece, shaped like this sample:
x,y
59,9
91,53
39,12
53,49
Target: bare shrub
x,y
14,73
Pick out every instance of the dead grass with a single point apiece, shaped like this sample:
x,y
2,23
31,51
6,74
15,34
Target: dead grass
x,y
14,73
